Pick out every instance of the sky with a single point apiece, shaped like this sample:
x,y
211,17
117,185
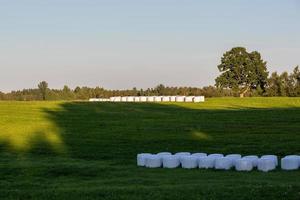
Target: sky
x,y
120,44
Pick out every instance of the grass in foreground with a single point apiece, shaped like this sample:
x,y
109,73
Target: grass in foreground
x,y
79,150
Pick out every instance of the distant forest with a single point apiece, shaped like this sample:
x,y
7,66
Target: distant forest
x,y
242,74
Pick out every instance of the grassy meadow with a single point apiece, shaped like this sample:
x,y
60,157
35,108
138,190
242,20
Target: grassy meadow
x,y
83,150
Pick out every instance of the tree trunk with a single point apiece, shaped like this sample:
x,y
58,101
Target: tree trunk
x,y
243,92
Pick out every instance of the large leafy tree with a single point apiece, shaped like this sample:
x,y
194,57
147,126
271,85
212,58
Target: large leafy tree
x,y
242,71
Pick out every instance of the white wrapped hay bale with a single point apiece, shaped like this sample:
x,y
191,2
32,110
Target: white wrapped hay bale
x,y
123,99
266,164
136,99
253,159
141,159
92,99
189,98
166,99
162,154
130,99
243,164
206,162
157,98
189,162
171,161
290,163
233,157
117,99
199,154
198,99
216,155
294,156
143,99
153,161
223,163
111,99
150,99
179,98
181,154
272,157
172,98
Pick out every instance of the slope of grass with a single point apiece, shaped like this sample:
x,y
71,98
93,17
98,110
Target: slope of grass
x,y
81,150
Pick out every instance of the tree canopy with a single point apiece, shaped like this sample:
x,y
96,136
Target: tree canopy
x,y
242,71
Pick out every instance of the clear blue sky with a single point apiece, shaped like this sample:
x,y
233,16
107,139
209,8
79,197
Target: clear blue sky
x,y
127,43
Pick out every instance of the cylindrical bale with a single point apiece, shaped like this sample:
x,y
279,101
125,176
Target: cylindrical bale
x,y
162,154
179,98
243,164
143,98
206,162
173,98
189,162
124,99
150,99
272,157
157,98
223,163
171,161
289,163
198,99
166,98
189,98
117,99
141,159
153,161
266,164
136,99
233,157
181,154
130,99
199,154
253,158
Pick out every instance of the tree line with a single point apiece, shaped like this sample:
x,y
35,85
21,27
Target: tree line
x,y
242,74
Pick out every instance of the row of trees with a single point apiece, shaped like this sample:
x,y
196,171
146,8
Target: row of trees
x,y
242,74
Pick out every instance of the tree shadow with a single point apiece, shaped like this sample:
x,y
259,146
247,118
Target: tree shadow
x,y
118,131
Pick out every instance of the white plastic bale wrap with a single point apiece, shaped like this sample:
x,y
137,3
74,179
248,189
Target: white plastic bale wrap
x,y
179,98
223,163
171,161
189,98
117,99
272,157
157,98
199,154
150,99
181,154
143,99
153,161
166,99
253,159
206,162
162,154
294,156
233,157
243,164
189,162
123,99
173,98
130,99
141,159
198,99
136,99
266,164
290,163
112,99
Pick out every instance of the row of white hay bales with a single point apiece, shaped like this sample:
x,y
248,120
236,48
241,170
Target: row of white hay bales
x,y
195,99
217,161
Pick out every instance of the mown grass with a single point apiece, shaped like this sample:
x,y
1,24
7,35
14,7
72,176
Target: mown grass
x,y
81,150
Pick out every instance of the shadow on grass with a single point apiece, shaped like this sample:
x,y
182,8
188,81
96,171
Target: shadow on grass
x,y
118,131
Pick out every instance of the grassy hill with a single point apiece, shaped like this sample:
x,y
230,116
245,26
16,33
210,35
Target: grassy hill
x,y
81,150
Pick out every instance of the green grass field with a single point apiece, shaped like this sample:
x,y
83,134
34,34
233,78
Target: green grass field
x,y
81,150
